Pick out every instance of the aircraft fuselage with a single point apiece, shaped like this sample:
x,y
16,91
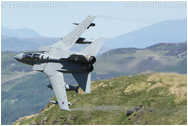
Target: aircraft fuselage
x,y
71,64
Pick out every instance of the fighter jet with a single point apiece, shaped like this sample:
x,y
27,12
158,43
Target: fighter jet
x,y
57,59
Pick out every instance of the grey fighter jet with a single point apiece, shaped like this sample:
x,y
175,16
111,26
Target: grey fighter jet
x,y
57,59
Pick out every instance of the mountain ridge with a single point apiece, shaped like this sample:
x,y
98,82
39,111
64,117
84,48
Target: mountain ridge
x,y
161,57
19,33
166,31
169,31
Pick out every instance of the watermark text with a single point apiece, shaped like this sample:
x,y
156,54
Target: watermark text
x,y
33,4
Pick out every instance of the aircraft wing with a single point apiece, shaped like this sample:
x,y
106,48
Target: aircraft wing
x,y
67,42
58,85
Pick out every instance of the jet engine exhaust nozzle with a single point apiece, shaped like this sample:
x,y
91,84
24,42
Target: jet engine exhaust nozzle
x,y
92,60
90,68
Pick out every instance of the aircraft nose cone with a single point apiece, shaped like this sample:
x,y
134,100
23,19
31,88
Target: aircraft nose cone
x,y
19,56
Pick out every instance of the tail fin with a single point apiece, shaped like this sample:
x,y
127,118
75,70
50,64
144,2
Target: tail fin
x,y
94,47
84,81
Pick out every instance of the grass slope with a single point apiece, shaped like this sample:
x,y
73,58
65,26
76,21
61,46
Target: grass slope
x,y
22,92
157,98
19,83
23,95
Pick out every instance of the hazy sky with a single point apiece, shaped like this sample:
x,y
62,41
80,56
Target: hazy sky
x,y
54,19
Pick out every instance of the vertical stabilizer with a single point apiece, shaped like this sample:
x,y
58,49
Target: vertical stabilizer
x,y
84,81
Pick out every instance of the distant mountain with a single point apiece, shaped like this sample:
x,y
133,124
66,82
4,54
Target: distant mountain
x,y
167,31
23,44
19,33
27,44
163,57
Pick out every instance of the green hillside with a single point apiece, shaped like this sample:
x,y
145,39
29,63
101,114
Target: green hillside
x,y
24,92
158,98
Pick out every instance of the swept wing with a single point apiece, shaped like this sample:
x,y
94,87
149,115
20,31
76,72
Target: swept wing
x,y
57,81
68,41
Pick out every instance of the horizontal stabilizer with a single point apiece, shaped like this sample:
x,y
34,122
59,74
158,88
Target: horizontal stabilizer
x,y
84,81
94,47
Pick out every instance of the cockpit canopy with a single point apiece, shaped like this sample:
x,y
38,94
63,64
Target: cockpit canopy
x,y
31,56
